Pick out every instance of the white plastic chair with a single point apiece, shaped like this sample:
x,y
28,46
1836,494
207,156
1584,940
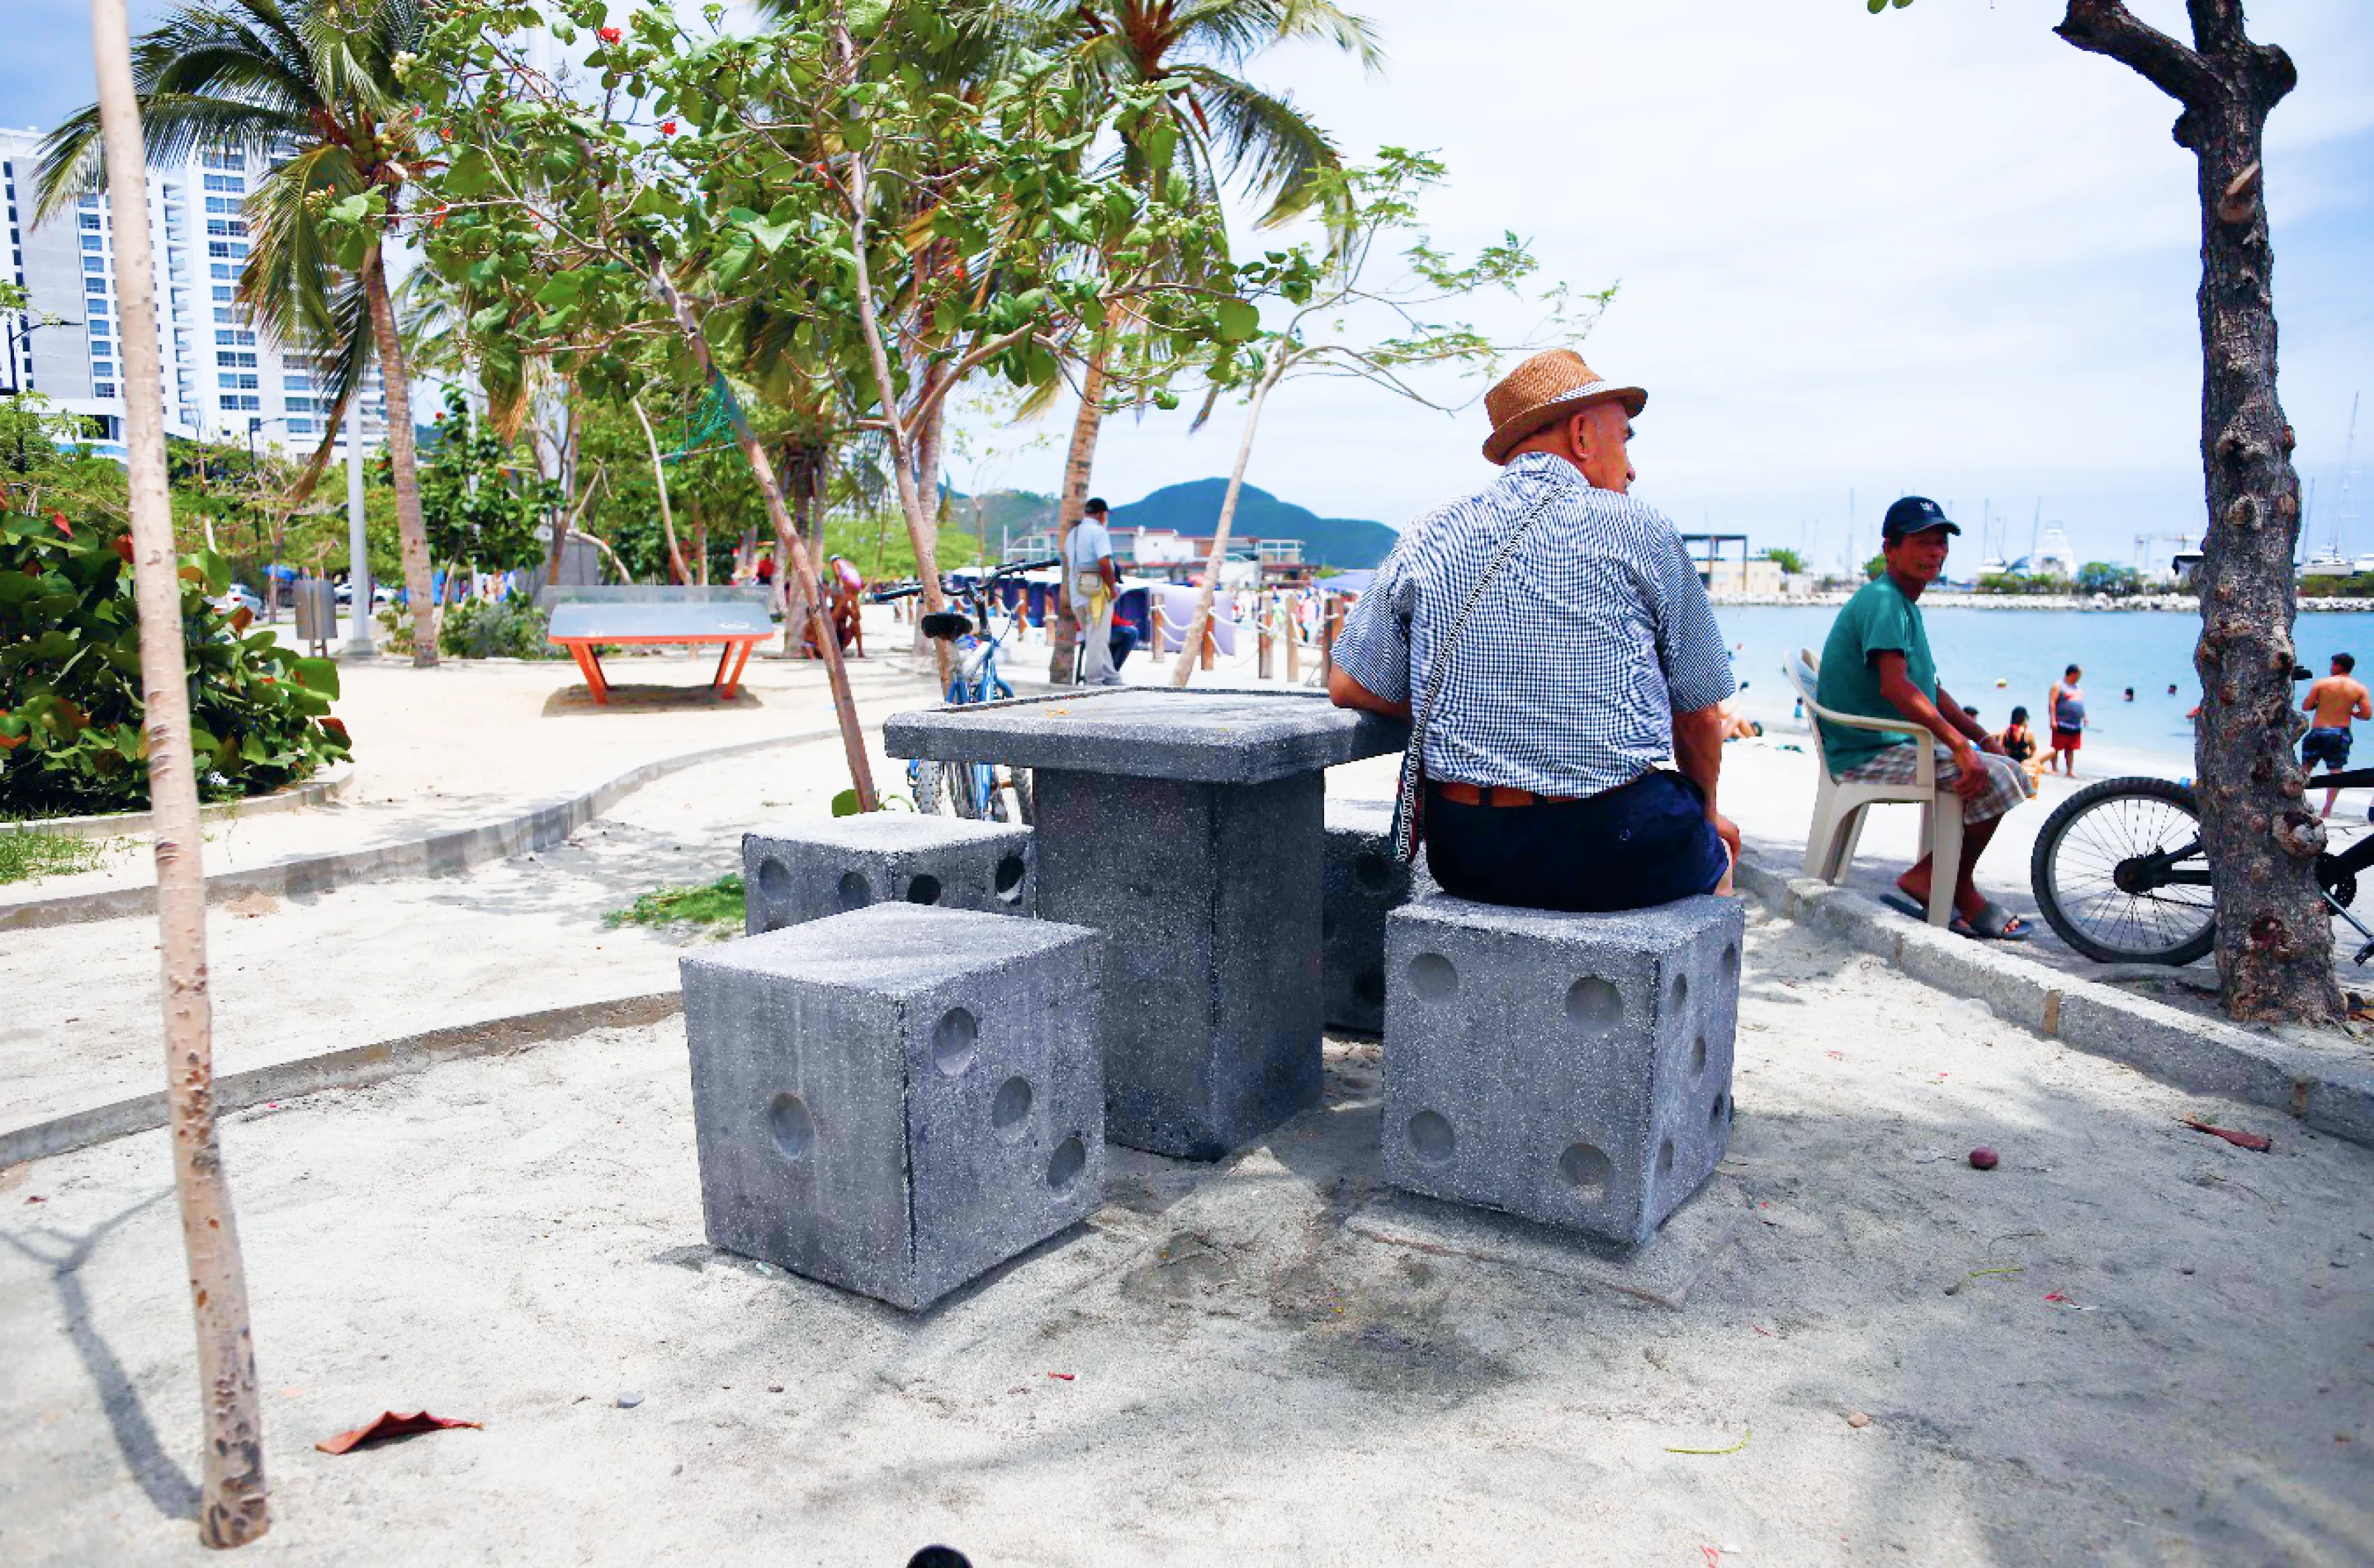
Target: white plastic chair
x,y
1839,804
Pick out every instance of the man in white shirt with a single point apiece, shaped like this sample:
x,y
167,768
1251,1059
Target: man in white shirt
x,y
1090,578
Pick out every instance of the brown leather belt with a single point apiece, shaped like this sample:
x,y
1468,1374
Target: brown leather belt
x,y
1494,795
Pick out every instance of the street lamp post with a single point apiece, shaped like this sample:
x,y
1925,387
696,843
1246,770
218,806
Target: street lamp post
x,y
358,582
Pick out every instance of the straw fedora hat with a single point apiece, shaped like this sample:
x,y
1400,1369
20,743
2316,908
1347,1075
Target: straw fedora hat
x,y
1553,384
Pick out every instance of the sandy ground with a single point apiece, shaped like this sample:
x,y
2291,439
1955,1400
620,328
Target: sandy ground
x,y
473,742
2129,1343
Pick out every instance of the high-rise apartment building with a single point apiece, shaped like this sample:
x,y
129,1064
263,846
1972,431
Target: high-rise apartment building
x,y
221,382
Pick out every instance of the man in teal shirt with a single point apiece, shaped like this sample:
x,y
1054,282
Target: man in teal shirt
x,y
1876,666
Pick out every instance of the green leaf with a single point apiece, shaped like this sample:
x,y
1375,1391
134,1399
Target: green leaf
x,y
317,674
1236,320
469,173
845,803
560,289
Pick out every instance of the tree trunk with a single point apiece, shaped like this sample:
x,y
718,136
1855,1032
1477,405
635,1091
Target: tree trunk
x,y
235,1509
920,529
844,705
397,387
659,477
1086,426
2274,935
1199,630
564,472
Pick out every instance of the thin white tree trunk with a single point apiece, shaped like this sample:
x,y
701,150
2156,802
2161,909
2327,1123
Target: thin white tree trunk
x,y
1200,625
659,477
921,529
235,1509
844,703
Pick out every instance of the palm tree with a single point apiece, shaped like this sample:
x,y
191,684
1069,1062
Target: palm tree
x,y
1223,129
310,89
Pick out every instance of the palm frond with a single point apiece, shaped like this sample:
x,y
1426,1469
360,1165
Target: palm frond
x,y
1266,142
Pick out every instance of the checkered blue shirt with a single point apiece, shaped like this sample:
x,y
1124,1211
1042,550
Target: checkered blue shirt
x,y
1573,663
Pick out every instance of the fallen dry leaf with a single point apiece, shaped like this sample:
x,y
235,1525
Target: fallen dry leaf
x,y
390,1425
2257,1143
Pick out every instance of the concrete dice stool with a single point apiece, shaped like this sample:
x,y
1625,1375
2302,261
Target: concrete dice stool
x,y
1570,1068
1361,883
808,871
897,1099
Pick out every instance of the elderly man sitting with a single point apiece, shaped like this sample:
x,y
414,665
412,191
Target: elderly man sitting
x,y
1569,650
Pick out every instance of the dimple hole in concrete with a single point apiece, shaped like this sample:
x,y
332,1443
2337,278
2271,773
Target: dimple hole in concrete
x,y
1588,1168
793,1127
952,1041
1697,1055
1595,1005
1063,1166
1374,872
1431,976
924,889
1010,879
1665,1157
1731,961
1430,1136
774,881
1369,986
1679,995
1715,1112
856,893
1011,1109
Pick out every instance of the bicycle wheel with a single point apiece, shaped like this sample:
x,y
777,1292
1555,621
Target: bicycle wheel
x,y
928,781
2118,872
1026,803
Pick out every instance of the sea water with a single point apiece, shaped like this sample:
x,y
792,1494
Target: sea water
x,y
1995,660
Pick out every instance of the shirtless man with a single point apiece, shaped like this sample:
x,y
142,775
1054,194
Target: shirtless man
x,y
2335,700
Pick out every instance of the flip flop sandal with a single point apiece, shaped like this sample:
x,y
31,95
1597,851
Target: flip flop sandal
x,y
1903,903
1994,923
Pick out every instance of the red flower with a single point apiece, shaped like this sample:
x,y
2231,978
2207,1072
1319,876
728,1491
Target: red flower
x,y
58,522
124,548
667,127
607,35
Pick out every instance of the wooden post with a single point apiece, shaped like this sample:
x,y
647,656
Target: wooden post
x,y
233,1509
1261,639
1331,621
1209,642
1154,623
1294,639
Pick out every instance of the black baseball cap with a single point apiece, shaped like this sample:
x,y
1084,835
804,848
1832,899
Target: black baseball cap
x,y
1915,514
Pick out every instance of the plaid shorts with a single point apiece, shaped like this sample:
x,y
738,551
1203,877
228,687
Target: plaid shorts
x,y
2008,784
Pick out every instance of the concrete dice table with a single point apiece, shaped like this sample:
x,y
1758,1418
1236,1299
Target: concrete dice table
x,y
897,1099
1574,1069
796,872
1187,826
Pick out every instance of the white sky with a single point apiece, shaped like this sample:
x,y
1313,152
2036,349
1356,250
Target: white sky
x,y
1938,250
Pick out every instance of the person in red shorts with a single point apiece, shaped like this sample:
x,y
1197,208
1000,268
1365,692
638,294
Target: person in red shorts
x,y
2066,708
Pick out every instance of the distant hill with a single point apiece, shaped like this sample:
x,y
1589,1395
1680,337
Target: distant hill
x,y
1347,544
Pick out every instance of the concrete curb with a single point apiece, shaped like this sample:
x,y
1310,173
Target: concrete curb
x,y
340,1069
438,854
2203,1055
335,781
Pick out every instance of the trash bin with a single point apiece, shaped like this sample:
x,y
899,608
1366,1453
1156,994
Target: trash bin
x,y
317,612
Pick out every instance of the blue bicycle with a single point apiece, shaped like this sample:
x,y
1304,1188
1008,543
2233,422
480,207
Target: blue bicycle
x,y
974,789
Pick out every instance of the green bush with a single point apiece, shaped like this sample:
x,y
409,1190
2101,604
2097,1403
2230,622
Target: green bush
x,y
509,627
71,734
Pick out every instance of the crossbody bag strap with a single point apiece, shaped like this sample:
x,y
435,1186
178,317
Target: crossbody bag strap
x,y
1408,807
